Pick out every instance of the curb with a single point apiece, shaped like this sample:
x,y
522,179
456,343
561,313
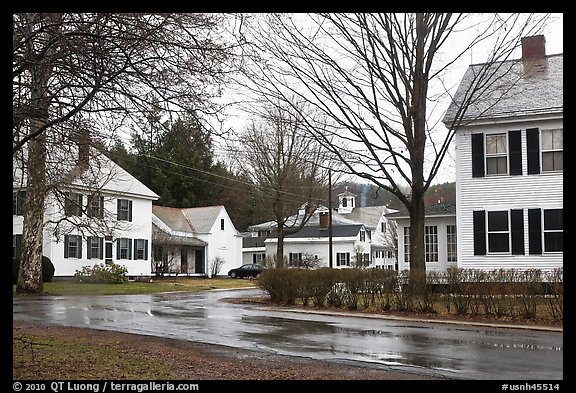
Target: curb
x,y
421,320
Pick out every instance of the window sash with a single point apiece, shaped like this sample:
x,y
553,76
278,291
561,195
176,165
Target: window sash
x,y
553,230
496,154
73,204
140,247
407,244
498,231
431,243
451,244
124,247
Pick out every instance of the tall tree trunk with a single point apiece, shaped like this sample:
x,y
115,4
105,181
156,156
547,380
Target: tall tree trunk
x,y
417,254
30,273
280,246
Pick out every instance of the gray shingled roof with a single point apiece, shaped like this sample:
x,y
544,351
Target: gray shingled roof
x,y
202,218
438,209
337,231
515,88
173,217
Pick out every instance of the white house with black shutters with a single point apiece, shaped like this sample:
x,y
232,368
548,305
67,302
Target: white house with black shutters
x,y
96,213
509,164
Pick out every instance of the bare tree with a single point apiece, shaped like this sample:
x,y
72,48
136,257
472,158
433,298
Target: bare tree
x,y
216,266
288,169
378,79
104,69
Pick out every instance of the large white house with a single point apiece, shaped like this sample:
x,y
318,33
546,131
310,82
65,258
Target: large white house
x,y
509,164
190,241
361,236
97,213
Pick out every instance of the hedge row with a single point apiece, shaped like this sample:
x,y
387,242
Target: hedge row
x,y
524,293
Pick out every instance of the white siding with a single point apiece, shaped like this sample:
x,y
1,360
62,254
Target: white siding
x,y
503,193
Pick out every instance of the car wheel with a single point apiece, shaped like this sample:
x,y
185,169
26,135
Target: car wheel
x,y
233,275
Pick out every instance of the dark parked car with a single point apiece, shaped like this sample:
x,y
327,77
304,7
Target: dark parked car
x,y
249,270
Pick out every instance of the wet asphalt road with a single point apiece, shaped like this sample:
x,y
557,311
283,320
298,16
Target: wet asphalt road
x,y
432,349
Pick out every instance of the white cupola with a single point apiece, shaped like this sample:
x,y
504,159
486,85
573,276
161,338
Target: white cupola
x,y
346,202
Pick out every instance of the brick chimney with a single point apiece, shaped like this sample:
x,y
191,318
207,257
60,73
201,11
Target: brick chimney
x,y
84,142
324,220
533,47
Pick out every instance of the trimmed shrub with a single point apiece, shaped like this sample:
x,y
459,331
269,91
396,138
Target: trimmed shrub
x,y
47,269
110,273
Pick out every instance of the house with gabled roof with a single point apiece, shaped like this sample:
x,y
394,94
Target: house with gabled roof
x,y
189,241
360,236
510,164
95,213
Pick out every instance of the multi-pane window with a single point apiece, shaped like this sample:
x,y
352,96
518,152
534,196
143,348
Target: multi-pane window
x,y
451,249
498,231
73,204
258,258
95,247
362,236
123,249
342,259
295,259
407,244
222,224
72,246
140,249
553,230
124,210
383,226
496,154
552,150
431,243
18,198
95,206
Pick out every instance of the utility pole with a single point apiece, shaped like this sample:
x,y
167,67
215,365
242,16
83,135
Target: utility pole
x,y
330,264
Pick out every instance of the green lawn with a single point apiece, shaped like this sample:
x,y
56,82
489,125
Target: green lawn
x,y
183,284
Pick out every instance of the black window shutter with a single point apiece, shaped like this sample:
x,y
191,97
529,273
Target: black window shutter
x,y
89,247
117,248
118,210
129,248
534,231
347,259
130,211
81,204
66,239
517,224
533,150
146,249
100,247
478,155
479,219
18,241
79,240
515,148
135,248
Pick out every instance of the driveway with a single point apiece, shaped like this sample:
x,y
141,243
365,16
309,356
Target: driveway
x,y
449,350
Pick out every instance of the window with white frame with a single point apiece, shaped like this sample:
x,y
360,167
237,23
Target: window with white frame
x,y
451,242
124,210
431,243
552,150
553,230
95,206
295,259
95,247
407,244
496,154
258,258
72,246
140,249
362,235
342,259
123,249
498,231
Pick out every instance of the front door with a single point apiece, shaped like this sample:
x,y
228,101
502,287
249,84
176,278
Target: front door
x,y
199,266
183,261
